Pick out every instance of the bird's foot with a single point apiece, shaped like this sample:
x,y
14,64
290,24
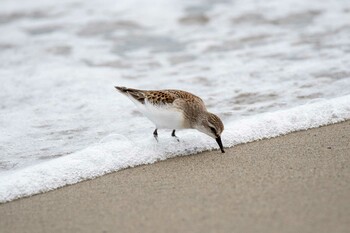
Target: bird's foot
x,y
155,134
173,135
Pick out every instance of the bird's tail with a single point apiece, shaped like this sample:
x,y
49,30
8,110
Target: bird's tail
x,y
134,93
123,89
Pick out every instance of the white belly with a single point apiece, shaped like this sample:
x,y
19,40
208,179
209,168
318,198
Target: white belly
x,y
163,116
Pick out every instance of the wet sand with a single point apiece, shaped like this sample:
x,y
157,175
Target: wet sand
x,y
295,183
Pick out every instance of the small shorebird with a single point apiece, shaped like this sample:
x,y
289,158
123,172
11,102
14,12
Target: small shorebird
x,y
175,109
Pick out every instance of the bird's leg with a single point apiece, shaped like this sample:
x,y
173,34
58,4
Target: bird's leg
x,y
155,134
173,135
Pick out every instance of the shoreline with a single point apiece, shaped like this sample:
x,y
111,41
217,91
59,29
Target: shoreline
x,y
82,165
296,182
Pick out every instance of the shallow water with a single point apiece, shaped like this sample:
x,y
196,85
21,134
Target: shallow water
x,y
60,62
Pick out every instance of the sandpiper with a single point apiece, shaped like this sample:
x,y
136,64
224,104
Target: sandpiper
x,y
176,109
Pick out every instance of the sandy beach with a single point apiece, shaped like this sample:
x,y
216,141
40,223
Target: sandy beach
x,y
294,183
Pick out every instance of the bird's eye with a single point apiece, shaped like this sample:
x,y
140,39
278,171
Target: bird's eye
x,y
213,130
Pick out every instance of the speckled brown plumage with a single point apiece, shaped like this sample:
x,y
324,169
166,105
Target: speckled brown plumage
x,y
161,96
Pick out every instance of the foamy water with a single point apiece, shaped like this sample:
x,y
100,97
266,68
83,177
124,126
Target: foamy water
x,y
267,68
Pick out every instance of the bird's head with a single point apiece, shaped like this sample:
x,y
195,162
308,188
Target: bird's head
x,y
212,125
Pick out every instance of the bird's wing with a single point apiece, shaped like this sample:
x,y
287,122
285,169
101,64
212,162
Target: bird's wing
x,y
160,97
189,97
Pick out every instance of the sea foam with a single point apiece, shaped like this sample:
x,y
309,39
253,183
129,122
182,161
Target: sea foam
x,y
119,152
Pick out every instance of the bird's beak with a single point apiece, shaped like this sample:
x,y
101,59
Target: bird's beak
x,y
218,140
